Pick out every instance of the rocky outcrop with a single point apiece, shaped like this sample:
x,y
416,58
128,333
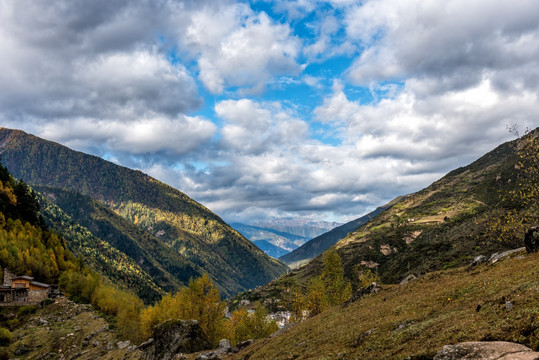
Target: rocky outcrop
x,y
174,337
495,350
531,240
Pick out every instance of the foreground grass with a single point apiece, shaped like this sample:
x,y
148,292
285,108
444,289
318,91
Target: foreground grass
x,y
414,321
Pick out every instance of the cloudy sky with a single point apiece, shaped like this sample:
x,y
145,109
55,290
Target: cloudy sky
x,y
310,108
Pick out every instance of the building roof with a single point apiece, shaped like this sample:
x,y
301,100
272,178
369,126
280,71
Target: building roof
x,y
24,277
39,284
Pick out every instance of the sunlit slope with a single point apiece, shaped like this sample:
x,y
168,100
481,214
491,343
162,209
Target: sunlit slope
x,y
187,227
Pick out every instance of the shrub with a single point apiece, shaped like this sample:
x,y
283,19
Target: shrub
x,y
5,336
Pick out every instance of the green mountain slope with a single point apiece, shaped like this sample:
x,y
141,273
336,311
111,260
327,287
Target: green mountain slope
x,y
414,321
190,229
442,226
316,246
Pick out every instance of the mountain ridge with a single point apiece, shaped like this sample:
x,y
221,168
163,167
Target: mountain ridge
x,y
189,228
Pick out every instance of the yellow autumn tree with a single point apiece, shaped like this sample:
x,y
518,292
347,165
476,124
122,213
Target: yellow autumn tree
x,y
200,301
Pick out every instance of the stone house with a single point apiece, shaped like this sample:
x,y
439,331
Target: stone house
x,y
22,290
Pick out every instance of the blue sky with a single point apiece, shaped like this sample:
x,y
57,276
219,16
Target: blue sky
x,y
261,109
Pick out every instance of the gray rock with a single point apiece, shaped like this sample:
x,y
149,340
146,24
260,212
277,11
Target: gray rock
x,y
497,256
408,279
478,260
531,240
123,344
495,350
178,336
224,346
245,343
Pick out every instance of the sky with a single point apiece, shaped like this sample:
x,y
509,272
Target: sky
x,y
270,109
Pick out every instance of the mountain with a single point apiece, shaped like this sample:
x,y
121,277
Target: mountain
x,y
306,228
283,240
443,226
316,246
435,228
269,248
284,234
174,237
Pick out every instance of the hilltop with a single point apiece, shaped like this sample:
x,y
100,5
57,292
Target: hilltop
x,y
139,216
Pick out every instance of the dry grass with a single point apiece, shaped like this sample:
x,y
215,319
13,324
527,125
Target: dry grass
x,y
439,308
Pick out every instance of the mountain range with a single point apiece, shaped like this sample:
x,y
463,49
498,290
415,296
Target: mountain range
x,y
133,223
443,226
316,246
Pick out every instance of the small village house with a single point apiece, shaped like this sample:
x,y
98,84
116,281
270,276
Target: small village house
x,y
22,290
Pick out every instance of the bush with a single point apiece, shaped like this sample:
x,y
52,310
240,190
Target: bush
x,y
5,336
27,309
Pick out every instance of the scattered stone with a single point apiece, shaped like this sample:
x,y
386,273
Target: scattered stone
x,y
362,337
403,325
509,305
495,350
224,348
130,349
43,322
123,344
145,344
531,240
373,288
477,260
408,279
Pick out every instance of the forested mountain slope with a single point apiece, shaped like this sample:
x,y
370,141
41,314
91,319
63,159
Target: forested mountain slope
x,y
196,234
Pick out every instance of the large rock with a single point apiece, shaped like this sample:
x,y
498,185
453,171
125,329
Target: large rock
x,y
173,337
495,350
531,240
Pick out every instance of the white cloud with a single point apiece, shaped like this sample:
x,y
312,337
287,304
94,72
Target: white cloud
x,y
454,42
145,135
244,49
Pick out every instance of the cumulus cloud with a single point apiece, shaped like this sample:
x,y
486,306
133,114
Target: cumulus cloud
x,y
457,42
245,49
419,88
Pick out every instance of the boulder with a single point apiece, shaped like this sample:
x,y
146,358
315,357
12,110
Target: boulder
x,y
173,337
480,259
497,256
495,350
373,288
531,240
408,279
224,348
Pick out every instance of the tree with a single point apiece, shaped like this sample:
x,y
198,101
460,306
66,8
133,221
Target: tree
x,y
337,289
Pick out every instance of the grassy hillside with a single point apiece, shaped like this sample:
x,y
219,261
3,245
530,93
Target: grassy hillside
x,y
415,320
190,229
316,246
439,227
